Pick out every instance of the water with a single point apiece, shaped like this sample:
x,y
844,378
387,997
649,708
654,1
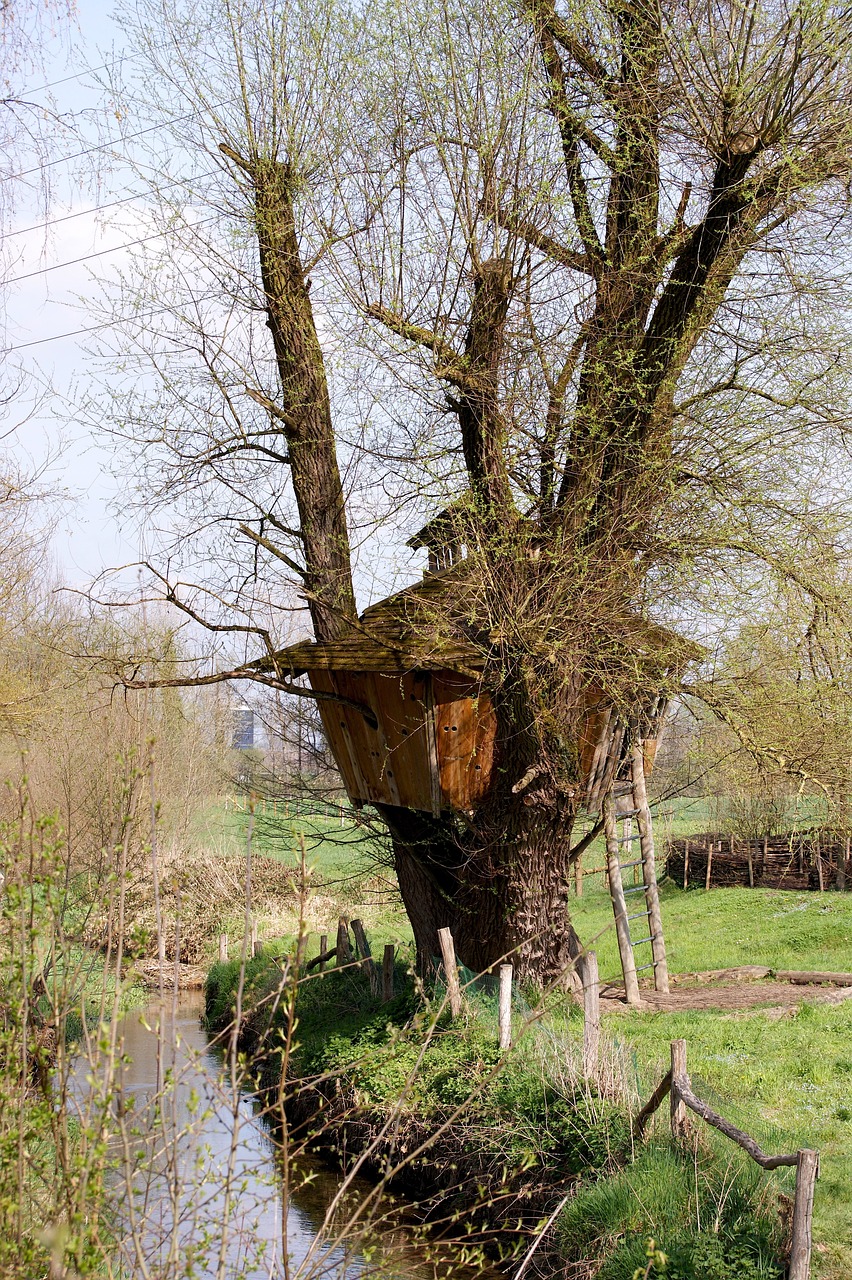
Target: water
x,y
198,1186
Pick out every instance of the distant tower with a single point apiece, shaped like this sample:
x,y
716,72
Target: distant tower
x,y
242,726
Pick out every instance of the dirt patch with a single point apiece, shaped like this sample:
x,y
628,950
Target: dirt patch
x,y
766,993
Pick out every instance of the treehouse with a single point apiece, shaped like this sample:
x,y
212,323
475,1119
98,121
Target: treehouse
x,y
406,715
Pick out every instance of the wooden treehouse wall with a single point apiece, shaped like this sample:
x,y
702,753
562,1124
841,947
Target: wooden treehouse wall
x,y
433,747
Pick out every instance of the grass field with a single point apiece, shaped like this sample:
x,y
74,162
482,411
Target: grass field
x,y
786,1079
348,869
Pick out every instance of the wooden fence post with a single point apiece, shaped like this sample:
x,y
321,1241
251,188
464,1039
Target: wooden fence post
x,y
686,864
323,949
750,864
505,1007
578,876
451,973
678,1107
223,948
344,946
255,939
709,864
366,955
387,972
807,1172
592,1016
842,859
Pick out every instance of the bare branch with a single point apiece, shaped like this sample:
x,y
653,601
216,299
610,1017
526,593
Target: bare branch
x,y
273,550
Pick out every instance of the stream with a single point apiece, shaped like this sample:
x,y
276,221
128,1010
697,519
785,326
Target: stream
x,y
198,1187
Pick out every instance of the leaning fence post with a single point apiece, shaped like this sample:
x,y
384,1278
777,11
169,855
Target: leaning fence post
x,y
323,949
254,947
223,948
448,955
678,1107
807,1172
592,1015
387,972
366,955
344,947
505,1007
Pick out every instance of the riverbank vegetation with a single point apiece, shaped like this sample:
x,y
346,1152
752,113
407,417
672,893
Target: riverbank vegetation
x,y
512,1133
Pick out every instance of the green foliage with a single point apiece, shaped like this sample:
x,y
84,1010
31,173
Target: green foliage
x,y
709,1220
400,1057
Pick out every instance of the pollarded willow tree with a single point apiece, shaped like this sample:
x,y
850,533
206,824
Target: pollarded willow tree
x,y
566,266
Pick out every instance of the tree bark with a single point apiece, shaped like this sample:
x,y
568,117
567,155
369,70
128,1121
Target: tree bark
x,y
304,410
502,892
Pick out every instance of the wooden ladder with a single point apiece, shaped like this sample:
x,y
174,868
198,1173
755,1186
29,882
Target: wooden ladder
x,y
651,925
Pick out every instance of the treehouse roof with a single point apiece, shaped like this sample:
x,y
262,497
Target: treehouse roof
x,y
400,633
409,631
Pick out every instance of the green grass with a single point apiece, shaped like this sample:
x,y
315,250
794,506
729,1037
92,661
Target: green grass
x,y
277,831
712,1221
786,1080
724,928
347,864
531,1114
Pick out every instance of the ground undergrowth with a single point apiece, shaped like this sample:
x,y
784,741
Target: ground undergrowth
x,y
512,1133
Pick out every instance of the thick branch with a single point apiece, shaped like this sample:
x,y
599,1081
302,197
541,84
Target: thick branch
x,y
273,550
546,244
483,428
571,131
250,672
305,407
274,410
449,365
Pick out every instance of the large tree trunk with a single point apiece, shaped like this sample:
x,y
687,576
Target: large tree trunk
x,y
502,889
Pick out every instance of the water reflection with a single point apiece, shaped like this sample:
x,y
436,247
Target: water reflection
x,y
197,1184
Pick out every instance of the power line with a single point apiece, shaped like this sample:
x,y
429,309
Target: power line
x,y
98,208
75,333
106,146
99,253
78,75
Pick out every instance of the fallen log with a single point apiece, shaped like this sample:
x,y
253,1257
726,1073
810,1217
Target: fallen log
x,y
803,977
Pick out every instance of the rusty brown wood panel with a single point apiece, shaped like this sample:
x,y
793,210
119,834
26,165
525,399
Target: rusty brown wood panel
x,y
465,727
387,765
367,744
399,703
335,725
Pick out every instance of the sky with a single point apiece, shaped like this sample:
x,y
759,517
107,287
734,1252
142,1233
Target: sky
x,y
51,292
49,295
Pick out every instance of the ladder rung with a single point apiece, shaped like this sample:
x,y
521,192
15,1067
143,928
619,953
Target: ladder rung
x,y
640,967
638,862
628,813
640,888
639,941
627,839
636,915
